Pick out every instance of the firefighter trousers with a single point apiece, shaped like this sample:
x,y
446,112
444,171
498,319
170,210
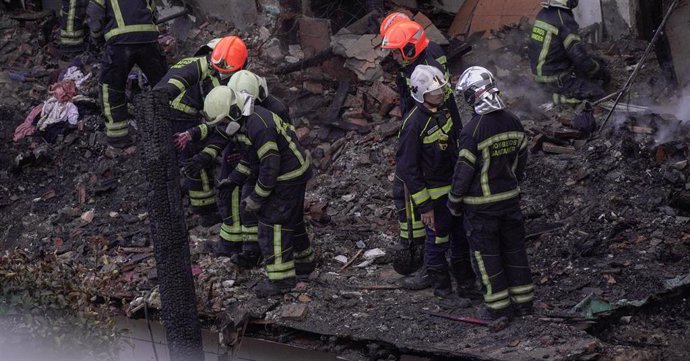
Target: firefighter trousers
x,y
449,235
497,243
574,90
118,61
413,228
282,236
229,209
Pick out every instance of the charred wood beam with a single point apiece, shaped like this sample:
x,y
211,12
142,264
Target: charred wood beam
x,y
333,114
169,231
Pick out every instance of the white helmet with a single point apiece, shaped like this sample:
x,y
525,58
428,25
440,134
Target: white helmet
x,y
426,79
223,103
477,87
564,4
244,81
208,47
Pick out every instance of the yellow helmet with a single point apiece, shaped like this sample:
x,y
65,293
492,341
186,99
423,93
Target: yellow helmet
x,y
222,103
244,81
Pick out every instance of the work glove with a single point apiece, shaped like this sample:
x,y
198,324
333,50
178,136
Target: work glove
x,y
455,208
250,206
182,139
193,166
225,188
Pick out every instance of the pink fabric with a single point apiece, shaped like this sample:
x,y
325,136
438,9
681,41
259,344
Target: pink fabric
x,y
63,91
26,128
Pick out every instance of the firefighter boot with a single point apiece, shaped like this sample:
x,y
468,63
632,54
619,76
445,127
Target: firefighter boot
x,y
303,270
464,278
227,249
246,259
443,290
268,288
419,280
209,216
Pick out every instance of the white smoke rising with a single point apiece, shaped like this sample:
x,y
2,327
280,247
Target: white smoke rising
x,y
672,129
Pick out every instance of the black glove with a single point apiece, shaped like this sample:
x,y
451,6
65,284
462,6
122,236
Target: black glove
x,y
455,208
225,188
194,165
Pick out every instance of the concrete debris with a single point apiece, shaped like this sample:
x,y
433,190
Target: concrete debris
x,y
362,53
432,32
374,254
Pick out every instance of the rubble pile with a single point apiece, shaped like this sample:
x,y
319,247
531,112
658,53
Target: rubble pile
x,y
607,216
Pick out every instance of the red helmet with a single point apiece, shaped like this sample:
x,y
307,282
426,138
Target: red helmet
x,y
229,55
407,36
392,19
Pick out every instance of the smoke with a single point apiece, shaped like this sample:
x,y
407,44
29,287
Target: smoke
x,y
675,118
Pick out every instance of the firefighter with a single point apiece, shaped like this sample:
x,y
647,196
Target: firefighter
x,y
485,190
559,60
186,84
411,47
131,37
282,171
239,231
72,26
425,158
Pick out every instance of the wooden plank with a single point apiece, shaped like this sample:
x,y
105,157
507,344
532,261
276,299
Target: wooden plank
x,y
463,19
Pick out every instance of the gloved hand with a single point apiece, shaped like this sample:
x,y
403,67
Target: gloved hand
x,y
182,139
194,165
225,188
455,208
250,206
233,158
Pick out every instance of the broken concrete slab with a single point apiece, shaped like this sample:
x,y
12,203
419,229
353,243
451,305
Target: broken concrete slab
x,y
432,31
362,53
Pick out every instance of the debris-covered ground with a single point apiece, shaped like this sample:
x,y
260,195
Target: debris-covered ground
x,y
608,217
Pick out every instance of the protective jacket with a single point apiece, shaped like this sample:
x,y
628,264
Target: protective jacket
x,y
556,50
492,160
435,56
426,155
273,153
187,83
123,21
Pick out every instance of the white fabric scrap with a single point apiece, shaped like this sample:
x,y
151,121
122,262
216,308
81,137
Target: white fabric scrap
x,y
73,73
55,112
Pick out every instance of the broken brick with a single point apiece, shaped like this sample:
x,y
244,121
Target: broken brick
x,y
557,149
295,311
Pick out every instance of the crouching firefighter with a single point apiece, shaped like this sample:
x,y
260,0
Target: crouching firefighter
x,y
282,171
492,160
425,158
559,60
240,230
186,84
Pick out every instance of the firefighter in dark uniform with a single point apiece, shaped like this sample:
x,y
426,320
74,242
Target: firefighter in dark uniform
x,y
239,231
425,159
72,26
411,47
131,37
282,170
491,163
559,60
186,84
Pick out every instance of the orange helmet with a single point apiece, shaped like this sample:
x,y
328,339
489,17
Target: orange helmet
x,y
229,55
392,19
407,36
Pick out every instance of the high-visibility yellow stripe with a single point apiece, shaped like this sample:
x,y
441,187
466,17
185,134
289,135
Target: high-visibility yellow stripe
x,y
201,202
260,191
483,275
131,29
243,169
521,289
465,153
454,199
100,3
71,34
543,54
546,26
68,41
210,151
277,244
484,177
441,240
500,305
297,172
200,194
435,136
72,12
492,198
436,193
499,138
178,84
267,147
280,267
496,296
115,4
420,197
570,39
522,298
277,276
177,104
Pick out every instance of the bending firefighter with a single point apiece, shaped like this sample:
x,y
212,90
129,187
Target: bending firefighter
x,y
240,230
185,86
281,168
425,159
131,38
491,163
558,57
